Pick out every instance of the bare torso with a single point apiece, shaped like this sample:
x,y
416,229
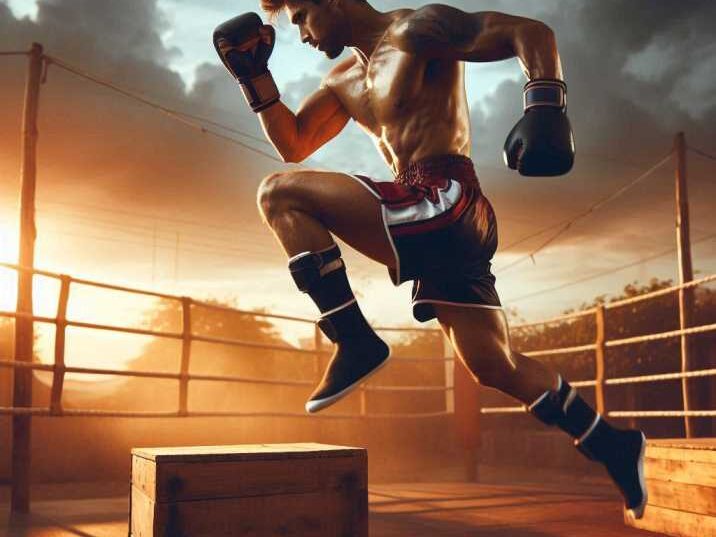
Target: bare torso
x,y
411,107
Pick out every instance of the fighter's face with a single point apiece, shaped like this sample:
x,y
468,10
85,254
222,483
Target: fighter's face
x,y
319,25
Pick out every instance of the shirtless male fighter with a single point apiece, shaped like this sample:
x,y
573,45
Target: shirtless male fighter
x,y
404,85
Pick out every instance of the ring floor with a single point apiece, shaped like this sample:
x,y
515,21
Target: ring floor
x,y
447,509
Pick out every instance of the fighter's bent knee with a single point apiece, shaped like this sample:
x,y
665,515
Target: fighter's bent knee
x,y
269,192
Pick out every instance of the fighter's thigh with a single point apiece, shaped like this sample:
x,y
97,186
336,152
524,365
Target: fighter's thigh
x,y
345,206
480,338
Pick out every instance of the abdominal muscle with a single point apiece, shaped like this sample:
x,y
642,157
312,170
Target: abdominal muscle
x,y
419,137
412,109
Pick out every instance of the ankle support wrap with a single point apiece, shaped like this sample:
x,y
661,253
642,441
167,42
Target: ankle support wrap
x,y
565,408
589,443
552,405
323,276
308,268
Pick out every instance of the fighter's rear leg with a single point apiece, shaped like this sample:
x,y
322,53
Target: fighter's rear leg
x,y
481,339
303,209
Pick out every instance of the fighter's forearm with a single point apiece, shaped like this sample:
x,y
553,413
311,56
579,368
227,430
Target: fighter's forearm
x,y
281,128
296,136
536,49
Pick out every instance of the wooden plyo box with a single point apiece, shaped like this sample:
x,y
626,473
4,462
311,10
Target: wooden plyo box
x,y
681,482
256,490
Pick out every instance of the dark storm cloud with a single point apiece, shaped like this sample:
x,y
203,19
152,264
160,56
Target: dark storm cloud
x,y
94,142
630,59
102,33
637,70
637,73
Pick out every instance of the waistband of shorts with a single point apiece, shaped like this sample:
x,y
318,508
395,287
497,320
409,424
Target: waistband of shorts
x,y
429,170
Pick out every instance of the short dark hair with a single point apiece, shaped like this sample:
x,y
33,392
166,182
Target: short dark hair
x,y
274,7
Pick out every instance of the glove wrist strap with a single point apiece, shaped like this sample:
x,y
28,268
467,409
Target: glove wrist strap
x,y
545,92
260,91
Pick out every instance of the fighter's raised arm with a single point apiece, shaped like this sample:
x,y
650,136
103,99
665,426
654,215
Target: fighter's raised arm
x,y
319,118
245,44
441,31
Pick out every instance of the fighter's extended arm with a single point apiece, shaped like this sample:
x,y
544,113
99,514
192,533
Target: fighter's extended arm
x,y
440,31
296,136
541,143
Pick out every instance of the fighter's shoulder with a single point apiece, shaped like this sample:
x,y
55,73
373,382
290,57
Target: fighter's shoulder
x,y
407,18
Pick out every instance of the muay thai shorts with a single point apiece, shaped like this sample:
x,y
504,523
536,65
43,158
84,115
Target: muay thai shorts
x,y
443,232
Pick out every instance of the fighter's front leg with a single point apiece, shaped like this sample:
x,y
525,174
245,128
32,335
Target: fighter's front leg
x,y
303,209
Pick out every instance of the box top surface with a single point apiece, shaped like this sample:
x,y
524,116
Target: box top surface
x,y
705,444
246,452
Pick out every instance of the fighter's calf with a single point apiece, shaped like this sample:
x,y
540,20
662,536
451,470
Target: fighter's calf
x,y
490,363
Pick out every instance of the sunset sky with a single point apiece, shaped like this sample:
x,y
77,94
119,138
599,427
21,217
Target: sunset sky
x,y
127,194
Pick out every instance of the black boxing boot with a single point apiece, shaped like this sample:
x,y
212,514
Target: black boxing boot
x,y
359,351
621,451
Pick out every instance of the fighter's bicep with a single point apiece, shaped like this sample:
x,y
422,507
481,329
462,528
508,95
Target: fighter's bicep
x,y
320,117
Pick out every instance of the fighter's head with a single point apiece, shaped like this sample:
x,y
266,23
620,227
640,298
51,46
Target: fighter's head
x,y
324,24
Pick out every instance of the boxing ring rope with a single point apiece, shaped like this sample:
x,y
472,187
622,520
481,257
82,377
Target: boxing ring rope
x,y
662,335
187,336
660,292
195,337
601,344
566,225
189,120
218,378
562,350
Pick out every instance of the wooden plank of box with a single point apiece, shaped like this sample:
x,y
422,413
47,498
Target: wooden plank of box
x,y
681,481
252,490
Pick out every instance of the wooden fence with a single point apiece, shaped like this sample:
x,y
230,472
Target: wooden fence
x,y
601,344
187,336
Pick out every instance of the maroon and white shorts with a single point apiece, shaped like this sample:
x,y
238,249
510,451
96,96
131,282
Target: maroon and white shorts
x,y
443,232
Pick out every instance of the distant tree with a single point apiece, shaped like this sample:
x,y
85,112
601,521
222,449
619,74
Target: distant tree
x,y
222,321
216,359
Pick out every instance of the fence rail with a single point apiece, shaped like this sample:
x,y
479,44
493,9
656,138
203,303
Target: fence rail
x,y
187,336
183,377
601,344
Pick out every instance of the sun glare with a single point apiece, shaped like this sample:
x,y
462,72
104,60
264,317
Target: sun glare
x,y
8,254
85,348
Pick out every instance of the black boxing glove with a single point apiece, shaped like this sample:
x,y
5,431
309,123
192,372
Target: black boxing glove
x,y
242,45
542,144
